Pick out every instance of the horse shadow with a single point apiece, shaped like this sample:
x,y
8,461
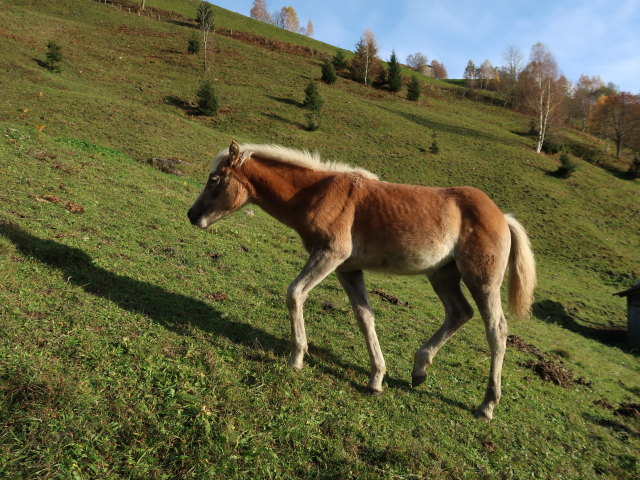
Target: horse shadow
x,y
554,312
176,311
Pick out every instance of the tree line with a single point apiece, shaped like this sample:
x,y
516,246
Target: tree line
x,y
286,18
538,88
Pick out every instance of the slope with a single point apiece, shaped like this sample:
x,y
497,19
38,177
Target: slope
x,y
136,346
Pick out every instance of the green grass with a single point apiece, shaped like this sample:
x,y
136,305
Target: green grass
x,y
133,345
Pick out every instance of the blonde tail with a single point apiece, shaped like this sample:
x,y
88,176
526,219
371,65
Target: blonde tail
x,y
522,270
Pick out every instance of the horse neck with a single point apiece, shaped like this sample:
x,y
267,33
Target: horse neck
x,y
277,187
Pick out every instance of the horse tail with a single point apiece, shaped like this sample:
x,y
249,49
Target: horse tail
x,y
522,270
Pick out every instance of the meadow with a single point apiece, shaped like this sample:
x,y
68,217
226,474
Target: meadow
x,y
134,345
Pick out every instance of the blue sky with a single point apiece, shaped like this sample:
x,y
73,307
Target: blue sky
x,y
594,37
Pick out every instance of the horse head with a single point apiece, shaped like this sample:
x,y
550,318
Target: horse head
x,y
223,192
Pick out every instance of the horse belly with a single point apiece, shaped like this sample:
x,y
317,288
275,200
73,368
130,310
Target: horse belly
x,y
399,258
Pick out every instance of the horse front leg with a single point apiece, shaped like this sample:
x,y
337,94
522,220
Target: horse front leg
x,y
320,264
353,284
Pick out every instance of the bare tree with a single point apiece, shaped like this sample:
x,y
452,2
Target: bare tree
x,y
204,19
544,90
510,74
618,116
259,11
365,64
418,62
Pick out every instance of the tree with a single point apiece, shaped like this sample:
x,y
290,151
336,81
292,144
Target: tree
x,y
204,20
365,64
194,44
207,99
259,11
510,74
439,71
585,94
470,75
309,30
313,103
418,62
543,89
54,56
485,74
339,60
288,19
413,90
618,117
328,73
394,77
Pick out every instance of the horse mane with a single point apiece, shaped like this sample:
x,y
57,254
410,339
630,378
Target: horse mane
x,y
300,158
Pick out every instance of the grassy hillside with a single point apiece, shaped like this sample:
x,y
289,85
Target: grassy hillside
x,y
133,345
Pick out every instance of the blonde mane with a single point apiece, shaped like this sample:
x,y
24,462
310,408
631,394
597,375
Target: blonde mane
x,y
301,158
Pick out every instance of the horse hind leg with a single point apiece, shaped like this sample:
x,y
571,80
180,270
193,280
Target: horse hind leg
x,y
446,284
490,305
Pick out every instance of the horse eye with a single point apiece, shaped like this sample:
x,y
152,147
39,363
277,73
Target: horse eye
x,y
214,179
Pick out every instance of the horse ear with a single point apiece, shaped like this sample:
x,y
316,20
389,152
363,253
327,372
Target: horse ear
x,y
234,153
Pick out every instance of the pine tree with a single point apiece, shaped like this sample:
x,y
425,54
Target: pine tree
x,y
54,56
313,103
194,44
434,144
413,91
394,76
207,99
328,73
339,60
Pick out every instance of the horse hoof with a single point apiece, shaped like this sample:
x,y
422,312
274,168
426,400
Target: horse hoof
x,y
482,415
374,391
417,380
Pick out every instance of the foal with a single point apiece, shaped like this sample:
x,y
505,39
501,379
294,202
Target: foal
x,y
350,221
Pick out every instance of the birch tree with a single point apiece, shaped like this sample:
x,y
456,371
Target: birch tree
x,y
204,19
439,70
288,19
365,64
543,88
259,11
418,62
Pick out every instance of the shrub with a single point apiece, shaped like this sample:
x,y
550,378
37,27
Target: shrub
x,y
339,61
312,99
434,144
567,166
54,56
313,103
194,44
329,73
413,91
207,99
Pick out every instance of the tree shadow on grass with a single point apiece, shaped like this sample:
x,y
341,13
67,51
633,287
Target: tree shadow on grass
x,y
441,127
286,101
279,118
173,311
180,103
554,312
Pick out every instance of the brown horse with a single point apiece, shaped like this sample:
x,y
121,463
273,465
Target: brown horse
x,y
350,221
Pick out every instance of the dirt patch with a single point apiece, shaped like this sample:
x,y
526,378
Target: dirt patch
x,y
548,366
519,344
168,165
629,410
389,298
551,372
